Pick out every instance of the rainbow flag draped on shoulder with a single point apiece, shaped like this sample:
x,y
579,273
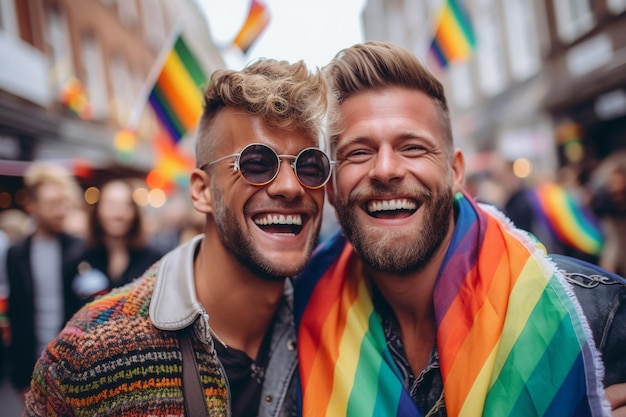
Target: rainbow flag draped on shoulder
x,y
566,218
511,337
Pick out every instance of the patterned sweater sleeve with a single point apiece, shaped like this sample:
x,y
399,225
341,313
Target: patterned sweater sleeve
x,y
46,397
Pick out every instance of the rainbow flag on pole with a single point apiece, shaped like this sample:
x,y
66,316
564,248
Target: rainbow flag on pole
x,y
453,39
255,24
176,96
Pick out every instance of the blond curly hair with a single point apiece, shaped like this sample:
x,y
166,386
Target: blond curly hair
x,y
287,96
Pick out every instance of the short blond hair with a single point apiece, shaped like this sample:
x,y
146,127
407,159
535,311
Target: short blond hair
x,y
45,172
375,65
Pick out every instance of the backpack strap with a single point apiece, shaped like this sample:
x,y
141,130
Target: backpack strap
x,y
193,392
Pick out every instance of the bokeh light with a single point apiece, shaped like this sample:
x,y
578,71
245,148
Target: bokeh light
x,y
140,195
156,197
92,195
522,168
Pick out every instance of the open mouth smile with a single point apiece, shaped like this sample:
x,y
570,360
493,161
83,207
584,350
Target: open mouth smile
x,y
391,209
283,224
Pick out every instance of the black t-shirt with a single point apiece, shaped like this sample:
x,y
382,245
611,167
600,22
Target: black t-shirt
x,y
245,376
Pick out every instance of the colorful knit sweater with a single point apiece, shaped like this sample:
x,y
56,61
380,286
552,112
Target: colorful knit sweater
x,y
111,361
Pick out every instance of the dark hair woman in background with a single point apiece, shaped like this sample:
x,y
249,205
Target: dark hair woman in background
x,y
116,246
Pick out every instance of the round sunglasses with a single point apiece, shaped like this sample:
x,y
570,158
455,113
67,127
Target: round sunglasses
x,y
258,164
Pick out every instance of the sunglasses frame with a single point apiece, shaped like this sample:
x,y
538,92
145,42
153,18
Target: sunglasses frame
x,y
279,158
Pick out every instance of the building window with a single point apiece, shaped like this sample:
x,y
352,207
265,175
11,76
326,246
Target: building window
x,y
490,49
616,6
573,18
153,23
461,85
395,14
127,11
93,68
8,18
58,41
522,41
122,88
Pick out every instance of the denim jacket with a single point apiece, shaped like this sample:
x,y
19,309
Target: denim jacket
x,y
602,296
175,307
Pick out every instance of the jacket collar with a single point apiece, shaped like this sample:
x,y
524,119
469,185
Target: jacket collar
x,y
174,304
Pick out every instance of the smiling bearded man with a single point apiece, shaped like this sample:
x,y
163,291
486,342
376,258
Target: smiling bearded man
x,y
428,303
209,330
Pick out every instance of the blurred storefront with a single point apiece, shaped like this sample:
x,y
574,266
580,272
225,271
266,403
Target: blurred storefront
x,y
546,81
588,88
70,75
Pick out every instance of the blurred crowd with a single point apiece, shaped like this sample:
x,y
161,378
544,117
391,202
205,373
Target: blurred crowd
x,y
61,246
579,211
59,253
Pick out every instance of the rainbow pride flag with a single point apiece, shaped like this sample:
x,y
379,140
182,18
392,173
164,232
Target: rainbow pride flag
x,y
176,96
566,218
255,24
453,39
511,339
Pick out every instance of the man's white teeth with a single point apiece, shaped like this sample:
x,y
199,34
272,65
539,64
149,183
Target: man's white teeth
x,y
395,204
269,219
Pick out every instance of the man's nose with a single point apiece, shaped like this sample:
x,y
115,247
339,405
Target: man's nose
x,y
286,184
388,165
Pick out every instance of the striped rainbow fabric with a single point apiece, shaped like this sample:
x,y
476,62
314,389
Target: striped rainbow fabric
x,y
176,97
256,22
511,341
453,39
570,222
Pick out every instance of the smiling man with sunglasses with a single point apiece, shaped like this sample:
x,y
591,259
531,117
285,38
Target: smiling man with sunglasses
x,y
209,329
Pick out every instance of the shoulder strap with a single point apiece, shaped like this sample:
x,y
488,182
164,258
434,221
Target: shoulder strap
x,y
193,393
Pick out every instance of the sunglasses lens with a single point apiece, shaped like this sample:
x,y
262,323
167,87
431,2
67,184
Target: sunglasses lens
x,y
313,168
258,164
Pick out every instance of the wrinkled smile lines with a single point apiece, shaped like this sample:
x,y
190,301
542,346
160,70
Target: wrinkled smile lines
x,y
375,206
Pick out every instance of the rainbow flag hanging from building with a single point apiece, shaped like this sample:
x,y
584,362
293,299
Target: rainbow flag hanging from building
x,y
176,96
453,39
255,24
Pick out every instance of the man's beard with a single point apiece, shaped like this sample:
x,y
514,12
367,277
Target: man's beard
x,y
244,249
399,251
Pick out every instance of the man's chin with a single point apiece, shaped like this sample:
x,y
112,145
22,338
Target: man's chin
x,y
278,270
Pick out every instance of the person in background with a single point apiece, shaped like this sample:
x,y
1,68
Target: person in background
x,y
608,200
428,303
13,227
40,299
116,245
209,329
5,337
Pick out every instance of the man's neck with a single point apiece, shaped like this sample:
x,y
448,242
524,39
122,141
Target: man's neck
x,y
45,233
410,297
240,304
114,243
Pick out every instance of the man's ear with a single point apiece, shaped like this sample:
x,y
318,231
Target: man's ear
x,y
458,170
200,191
